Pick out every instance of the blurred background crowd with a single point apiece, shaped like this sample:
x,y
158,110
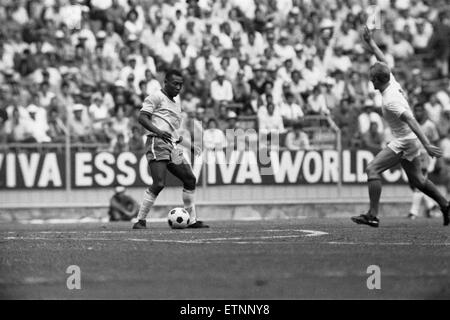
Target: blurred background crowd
x,y
84,67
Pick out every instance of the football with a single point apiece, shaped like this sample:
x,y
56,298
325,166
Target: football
x,y
178,218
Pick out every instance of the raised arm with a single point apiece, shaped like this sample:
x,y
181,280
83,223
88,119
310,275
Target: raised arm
x,y
373,47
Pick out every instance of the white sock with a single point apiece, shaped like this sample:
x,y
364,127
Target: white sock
x,y
188,200
416,201
146,205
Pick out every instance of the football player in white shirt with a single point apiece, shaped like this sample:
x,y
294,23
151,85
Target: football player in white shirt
x,y
404,149
161,116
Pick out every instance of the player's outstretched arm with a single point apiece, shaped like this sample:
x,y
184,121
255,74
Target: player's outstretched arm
x,y
433,151
368,39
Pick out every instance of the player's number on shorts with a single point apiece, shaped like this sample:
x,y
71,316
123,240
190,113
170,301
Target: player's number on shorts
x,y
74,280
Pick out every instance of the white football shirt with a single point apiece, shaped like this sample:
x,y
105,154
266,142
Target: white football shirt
x,y
395,103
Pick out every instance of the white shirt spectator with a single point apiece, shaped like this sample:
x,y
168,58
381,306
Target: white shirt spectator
x,y
284,52
152,38
168,52
98,111
71,15
53,73
318,104
445,146
313,76
402,49
153,86
101,4
20,15
221,91
38,124
342,63
270,123
364,120
349,40
200,65
434,110
291,111
294,142
45,98
247,7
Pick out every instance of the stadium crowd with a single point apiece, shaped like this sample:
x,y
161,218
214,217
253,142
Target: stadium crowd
x,y
84,67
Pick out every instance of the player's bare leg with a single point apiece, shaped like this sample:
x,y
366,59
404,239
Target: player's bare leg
x,y
419,181
384,160
158,170
183,171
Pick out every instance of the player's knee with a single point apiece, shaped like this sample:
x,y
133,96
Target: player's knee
x,y
190,182
372,173
156,188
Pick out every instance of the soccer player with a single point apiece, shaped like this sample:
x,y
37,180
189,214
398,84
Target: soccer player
x,y
161,116
404,148
427,163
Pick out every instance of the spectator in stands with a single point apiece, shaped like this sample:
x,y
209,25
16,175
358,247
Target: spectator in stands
x,y
133,25
221,89
168,49
120,145
213,137
271,121
122,207
77,57
45,96
339,61
136,142
80,127
443,124
120,124
367,117
38,123
57,131
317,105
105,95
297,139
422,36
222,118
401,49
433,108
312,73
347,37
356,87
439,43
98,111
290,111
241,88
346,118
330,98
18,128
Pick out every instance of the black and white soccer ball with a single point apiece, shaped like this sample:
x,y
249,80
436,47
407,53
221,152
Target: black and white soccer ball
x,y
178,218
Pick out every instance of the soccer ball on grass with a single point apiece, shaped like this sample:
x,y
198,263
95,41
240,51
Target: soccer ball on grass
x,y
178,218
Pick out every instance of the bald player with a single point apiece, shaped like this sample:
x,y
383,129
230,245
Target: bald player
x,y
404,149
161,116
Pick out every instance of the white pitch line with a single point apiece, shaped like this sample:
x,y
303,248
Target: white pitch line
x,y
389,243
223,240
